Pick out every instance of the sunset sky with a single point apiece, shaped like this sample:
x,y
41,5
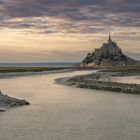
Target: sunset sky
x,y
66,30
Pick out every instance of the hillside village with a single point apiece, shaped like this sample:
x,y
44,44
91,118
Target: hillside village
x,y
108,55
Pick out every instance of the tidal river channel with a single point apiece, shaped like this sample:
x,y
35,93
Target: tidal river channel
x,y
59,112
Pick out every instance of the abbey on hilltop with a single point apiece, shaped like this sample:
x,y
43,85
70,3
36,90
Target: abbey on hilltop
x,y
108,55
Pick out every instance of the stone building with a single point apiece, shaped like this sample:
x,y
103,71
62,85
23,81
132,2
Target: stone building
x,y
108,55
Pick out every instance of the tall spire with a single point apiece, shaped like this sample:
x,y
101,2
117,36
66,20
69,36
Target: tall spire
x,y
109,37
109,40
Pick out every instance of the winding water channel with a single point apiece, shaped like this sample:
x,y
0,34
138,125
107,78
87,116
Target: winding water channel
x,y
59,112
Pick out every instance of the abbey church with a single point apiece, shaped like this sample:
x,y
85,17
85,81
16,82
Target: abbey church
x,y
108,55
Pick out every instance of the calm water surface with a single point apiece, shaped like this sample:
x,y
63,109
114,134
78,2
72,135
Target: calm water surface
x,y
58,112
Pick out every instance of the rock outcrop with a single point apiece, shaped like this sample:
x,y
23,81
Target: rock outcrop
x,y
8,102
108,55
94,81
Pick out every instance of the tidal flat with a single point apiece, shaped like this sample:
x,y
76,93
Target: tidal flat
x,y
103,80
7,102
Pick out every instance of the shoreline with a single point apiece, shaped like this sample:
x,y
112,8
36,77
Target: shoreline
x,y
27,71
92,81
19,74
40,69
7,102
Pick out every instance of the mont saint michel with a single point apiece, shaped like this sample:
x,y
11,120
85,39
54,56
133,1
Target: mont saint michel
x,y
50,88
110,54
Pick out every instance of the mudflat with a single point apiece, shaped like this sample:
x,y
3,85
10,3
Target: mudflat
x,y
8,102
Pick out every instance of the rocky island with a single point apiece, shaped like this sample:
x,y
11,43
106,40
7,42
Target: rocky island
x,y
110,54
8,102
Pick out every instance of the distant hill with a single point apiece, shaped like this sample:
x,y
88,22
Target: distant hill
x,y
108,55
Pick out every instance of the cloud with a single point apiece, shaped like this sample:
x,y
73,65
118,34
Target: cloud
x,y
71,17
74,12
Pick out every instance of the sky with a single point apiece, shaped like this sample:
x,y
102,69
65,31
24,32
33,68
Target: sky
x,y
66,30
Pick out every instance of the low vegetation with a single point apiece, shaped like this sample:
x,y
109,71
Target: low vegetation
x,y
39,69
29,69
